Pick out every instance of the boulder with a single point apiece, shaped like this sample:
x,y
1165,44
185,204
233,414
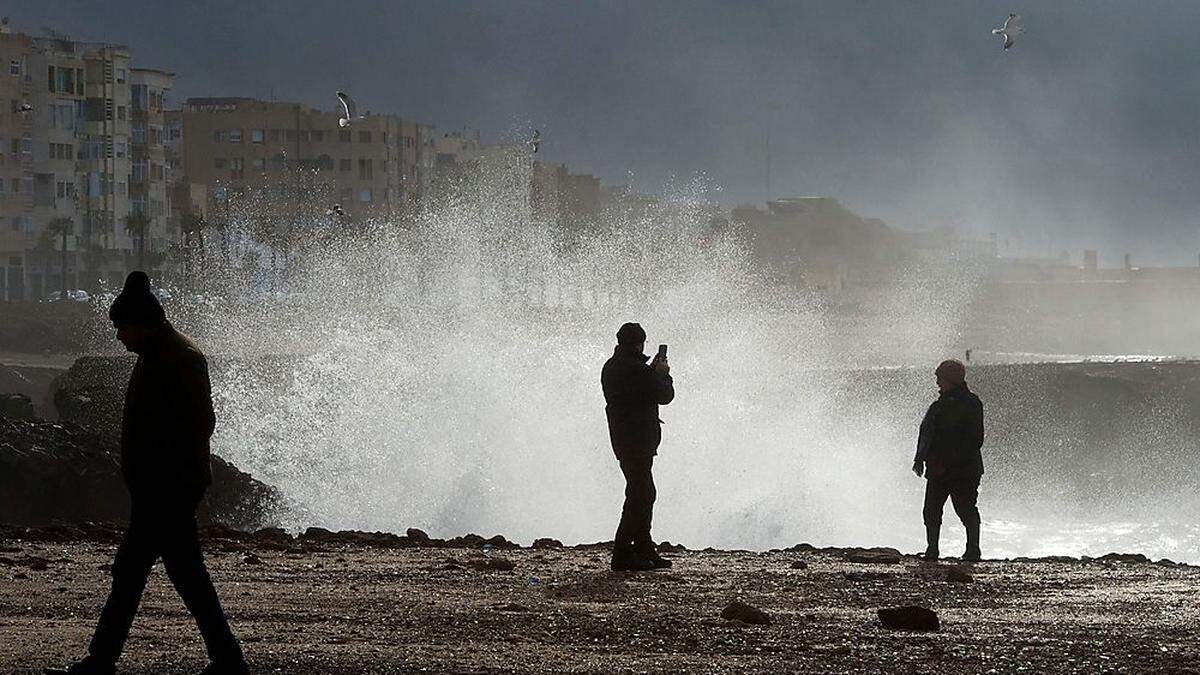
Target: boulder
x,y
546,542
60,472
799,565
16,406
909,617
740,611
418,537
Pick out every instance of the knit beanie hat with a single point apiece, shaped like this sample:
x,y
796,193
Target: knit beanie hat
x,y
631,334
136,305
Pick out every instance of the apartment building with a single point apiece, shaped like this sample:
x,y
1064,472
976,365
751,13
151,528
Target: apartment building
x,y
377,166
77,150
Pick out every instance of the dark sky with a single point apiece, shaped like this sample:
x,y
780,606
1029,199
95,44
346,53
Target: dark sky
x,y
1084,135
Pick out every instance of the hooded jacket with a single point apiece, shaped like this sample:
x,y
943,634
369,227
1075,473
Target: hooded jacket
x,y
951,436
168,420
632,393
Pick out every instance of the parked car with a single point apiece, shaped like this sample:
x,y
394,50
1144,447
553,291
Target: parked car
x,y
74,295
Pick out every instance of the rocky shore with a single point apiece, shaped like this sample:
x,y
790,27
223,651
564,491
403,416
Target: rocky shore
x,y
354,602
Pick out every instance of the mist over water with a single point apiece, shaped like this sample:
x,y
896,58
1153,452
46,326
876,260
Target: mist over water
x,y
444,374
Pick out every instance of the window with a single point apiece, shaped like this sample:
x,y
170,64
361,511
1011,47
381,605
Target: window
x,y
343,136
121,149
26,145
364,195
79,81
138,132
14,67
259,164
121,113
343,165
156,172
385,137
364,137
139,171
276,135
365,170
219,163
290,135
278,163
235,135
318,136
64,117
236,167
219,136
257,136
138,97
50,77
120,76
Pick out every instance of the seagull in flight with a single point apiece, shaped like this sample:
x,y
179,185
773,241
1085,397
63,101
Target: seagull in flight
x,y
25,108
349,108
536,140
1012,26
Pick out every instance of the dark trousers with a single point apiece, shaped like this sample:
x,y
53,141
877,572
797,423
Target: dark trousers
x,y
167,531
963,493
634,530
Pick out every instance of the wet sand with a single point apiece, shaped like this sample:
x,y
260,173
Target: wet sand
x,y
335,607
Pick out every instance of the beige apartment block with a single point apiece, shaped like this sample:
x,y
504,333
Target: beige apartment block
x,y
375,167
70,158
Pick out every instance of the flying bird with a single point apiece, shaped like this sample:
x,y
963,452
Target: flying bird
x,y
536,140
348,107
1012,26
25,107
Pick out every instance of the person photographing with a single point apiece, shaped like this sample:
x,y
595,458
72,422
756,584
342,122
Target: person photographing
x,y
633,390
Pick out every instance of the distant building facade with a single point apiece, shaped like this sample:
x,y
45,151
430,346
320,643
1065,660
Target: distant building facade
x,y
377,166
79,153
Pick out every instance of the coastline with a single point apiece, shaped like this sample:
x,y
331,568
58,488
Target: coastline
x,y
358,602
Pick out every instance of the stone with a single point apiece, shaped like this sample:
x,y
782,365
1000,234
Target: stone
x,y
1126,558
668,547
546,542
740,611
958,574
874,556
251,559
417,537
799,565
492,564
16,406
909,617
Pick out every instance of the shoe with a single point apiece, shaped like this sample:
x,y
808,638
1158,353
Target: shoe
x,y
87,666
930,555
628,561
972,555
227,668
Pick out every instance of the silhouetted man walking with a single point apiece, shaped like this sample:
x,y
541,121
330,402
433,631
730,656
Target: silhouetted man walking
x,y
167,422
948,454
633,391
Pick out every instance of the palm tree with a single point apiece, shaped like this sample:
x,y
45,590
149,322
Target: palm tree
x,y
61,227
137,226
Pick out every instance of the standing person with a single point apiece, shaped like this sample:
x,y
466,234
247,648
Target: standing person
x,y
633,391
167,422
948,455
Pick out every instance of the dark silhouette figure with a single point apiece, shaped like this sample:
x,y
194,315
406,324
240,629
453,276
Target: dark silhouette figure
x,y
633,390
168,419
948,454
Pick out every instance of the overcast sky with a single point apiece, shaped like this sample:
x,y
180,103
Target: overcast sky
x,y
1084,135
